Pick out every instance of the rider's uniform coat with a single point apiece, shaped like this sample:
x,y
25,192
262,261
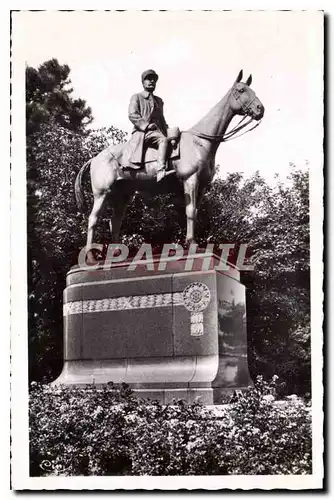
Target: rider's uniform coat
x,y
144,108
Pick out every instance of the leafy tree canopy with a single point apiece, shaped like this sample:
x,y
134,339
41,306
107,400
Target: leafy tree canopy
x,y
48,97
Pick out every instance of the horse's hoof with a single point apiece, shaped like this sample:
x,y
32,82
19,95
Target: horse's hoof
x,y
91,259
187,244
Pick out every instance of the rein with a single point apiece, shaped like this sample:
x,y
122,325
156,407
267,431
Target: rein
x,y
232,133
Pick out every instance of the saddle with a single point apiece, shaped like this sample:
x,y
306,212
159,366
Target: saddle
x,y
123,152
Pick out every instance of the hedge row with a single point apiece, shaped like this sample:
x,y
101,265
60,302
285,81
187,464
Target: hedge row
x,y
109,431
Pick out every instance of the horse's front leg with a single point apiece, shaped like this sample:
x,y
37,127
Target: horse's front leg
x,y
190,192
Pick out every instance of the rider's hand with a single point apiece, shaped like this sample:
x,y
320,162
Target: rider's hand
x,y
152,126
173,143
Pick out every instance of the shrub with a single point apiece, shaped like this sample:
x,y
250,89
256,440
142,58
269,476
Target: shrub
x,y
79,431
109,431
267,437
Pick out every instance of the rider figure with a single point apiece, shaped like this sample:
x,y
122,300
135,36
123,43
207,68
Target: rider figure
x,y
150,127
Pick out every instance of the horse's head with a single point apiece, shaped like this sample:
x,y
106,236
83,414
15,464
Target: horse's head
x,y
243,99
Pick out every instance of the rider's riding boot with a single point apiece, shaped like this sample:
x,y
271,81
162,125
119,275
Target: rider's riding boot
x,y
162,158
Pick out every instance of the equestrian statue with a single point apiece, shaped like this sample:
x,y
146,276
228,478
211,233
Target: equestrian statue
x,y
157,159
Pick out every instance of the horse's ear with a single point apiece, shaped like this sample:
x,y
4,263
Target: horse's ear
x,y
239,77
249,80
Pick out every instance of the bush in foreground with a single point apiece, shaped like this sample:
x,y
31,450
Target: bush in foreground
x,y
109,431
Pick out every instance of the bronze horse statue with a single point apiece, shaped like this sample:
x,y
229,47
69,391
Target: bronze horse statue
x,y
194,168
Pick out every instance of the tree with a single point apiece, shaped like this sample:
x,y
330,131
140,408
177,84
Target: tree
x,y
280,284
48,97
56,129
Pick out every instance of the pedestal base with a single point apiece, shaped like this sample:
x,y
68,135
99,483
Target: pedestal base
x,y
162,379
170,334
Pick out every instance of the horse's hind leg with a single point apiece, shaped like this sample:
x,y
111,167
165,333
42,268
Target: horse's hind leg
x,y
99,203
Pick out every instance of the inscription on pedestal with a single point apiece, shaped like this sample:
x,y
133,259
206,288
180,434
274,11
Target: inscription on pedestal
x,y
196,298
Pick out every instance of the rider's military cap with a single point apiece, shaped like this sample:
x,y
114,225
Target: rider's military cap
x,y
149,72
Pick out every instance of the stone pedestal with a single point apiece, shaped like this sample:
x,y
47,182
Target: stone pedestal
x,y
171,333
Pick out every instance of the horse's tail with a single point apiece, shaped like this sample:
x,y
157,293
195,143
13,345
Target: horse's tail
x,y
78,187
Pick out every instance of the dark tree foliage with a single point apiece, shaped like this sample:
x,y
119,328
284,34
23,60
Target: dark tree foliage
x,y
278,299
48,96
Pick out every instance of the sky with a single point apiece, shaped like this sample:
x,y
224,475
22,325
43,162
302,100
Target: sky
x,y
197,56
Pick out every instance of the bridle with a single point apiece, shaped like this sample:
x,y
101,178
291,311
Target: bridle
x,y
246,108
